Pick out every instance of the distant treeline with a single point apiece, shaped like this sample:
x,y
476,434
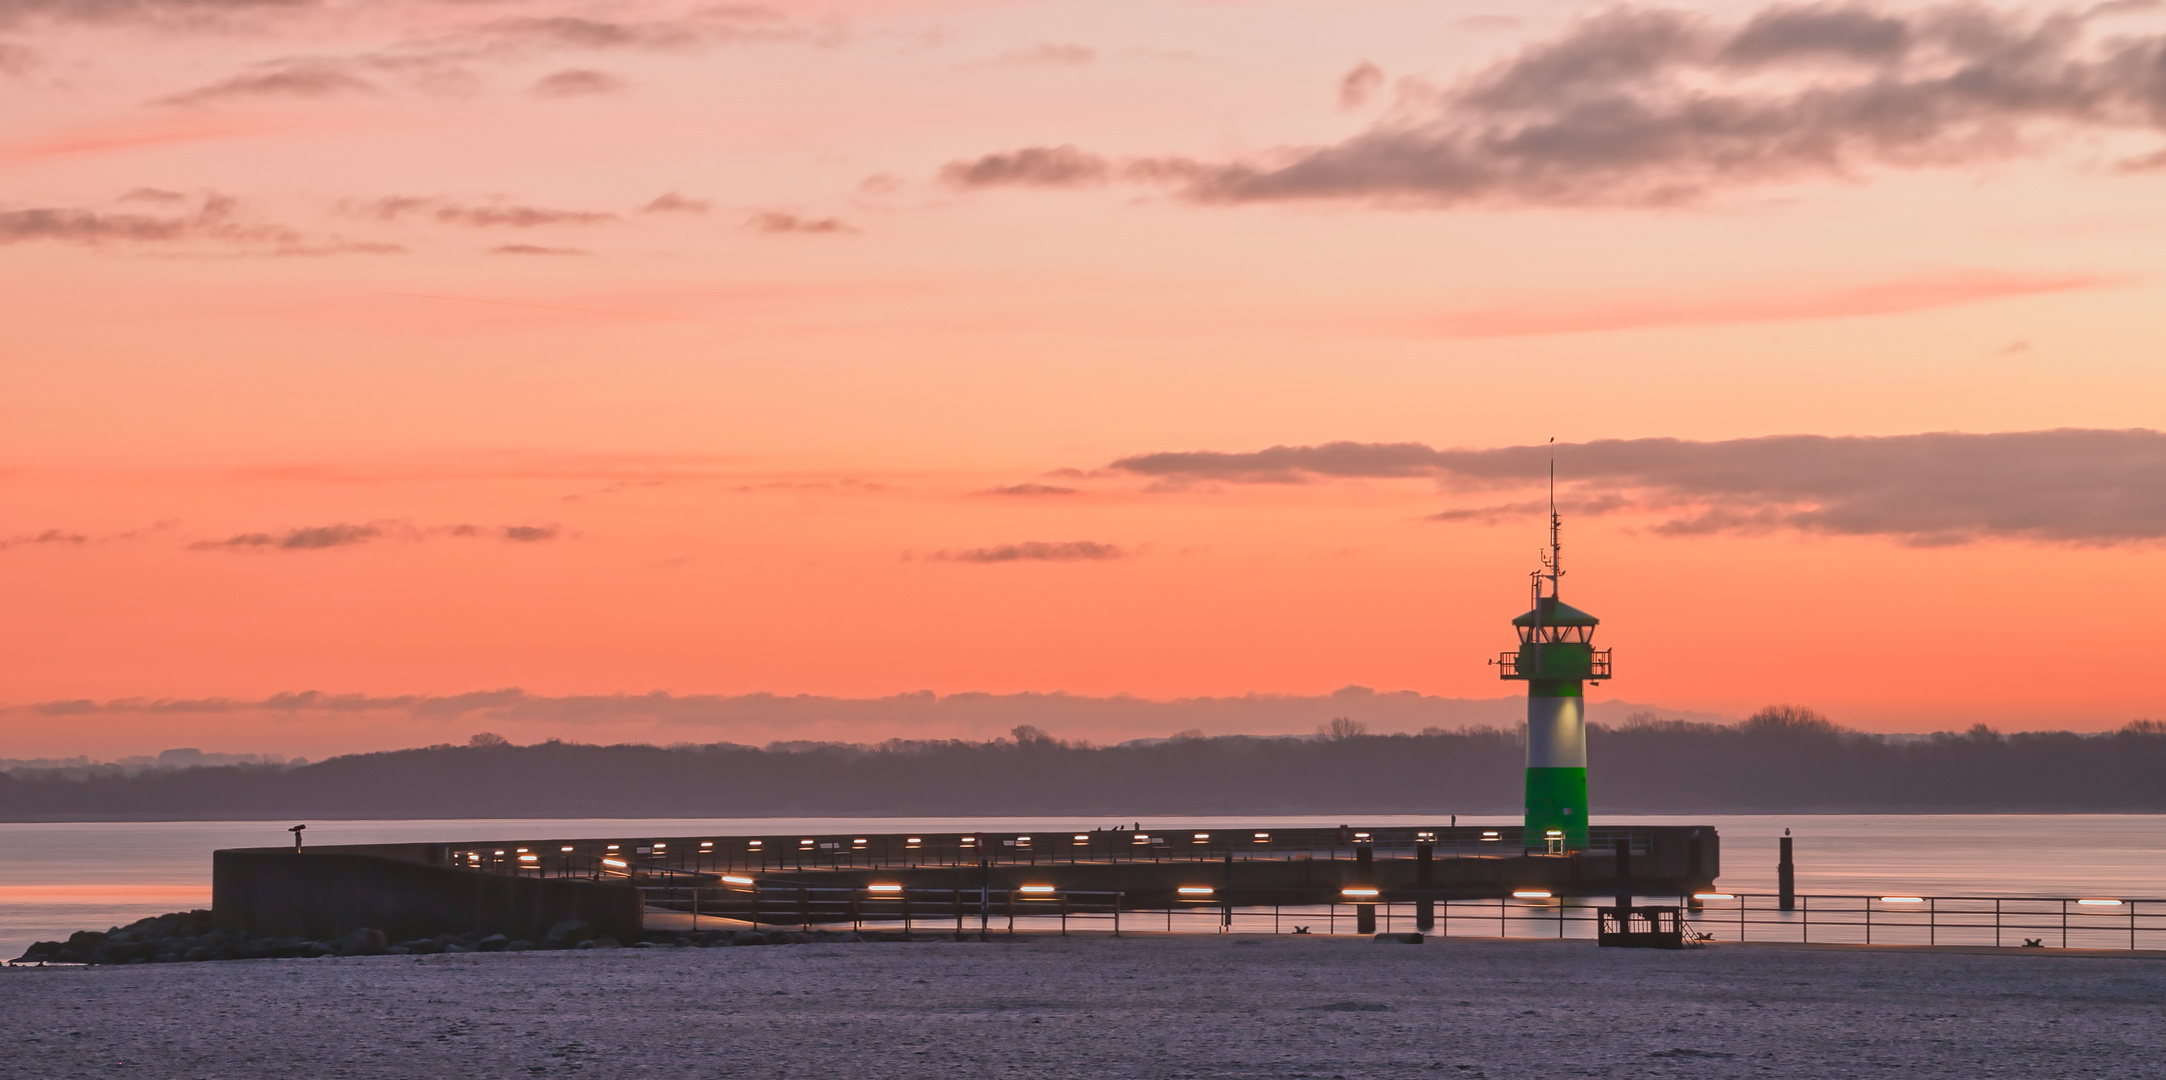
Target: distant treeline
x,y
1781,759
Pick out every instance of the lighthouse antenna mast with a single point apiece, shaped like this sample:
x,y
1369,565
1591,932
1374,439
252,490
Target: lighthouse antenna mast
x,y
1553,562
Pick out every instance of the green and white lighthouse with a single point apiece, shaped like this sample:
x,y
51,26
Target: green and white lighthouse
x,y
1556,658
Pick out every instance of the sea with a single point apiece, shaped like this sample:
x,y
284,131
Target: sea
x,y
57,878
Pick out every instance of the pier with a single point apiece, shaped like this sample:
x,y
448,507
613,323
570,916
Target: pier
x,y
964,881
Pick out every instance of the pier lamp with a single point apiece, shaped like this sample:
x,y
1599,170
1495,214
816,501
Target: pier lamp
x,y
1556,658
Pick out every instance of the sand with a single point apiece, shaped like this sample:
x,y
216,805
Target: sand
x,y
1097,1007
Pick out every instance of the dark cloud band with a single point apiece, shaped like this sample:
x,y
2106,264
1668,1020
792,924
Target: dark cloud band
x,y
1655,107
2071,485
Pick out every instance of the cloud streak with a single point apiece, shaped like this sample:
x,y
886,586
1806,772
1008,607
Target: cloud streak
x,y
42,539
576,82
304,79
347,534
217,221
775,221
485,216
1917,292
2071,486
1037,551
1657,107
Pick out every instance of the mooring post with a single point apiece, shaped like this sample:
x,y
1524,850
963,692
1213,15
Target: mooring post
x,y
1365,874
1694,867
1225,898
1785,877
1425,879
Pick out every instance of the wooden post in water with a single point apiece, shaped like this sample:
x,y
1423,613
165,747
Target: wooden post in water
x,y
1785,877
1694,867
1425,879
1225,898
1365,874
1623,848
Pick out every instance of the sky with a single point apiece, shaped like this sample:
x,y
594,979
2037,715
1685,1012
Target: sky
x,y
424,357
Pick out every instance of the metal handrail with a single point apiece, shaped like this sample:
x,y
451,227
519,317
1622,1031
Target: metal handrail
x,y
770,854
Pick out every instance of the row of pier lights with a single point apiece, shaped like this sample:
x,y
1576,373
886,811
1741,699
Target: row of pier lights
x,y
1113,845
730,861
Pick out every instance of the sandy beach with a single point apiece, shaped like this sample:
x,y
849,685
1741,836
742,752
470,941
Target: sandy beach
x,y
1100,1007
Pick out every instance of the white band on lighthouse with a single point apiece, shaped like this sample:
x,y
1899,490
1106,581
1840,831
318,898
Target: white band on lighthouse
x,y
1556,733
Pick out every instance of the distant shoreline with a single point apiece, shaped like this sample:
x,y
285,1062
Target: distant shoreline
x,y
1788,762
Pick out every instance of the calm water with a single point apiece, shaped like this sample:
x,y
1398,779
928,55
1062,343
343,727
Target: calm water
x,y
59,878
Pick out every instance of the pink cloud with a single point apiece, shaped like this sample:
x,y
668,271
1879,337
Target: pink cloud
x,y
1923,292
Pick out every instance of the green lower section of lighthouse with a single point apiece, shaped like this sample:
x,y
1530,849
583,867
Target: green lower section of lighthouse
x,y
1557,799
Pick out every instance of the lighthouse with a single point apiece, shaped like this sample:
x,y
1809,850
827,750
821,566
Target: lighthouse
x,y
1556,658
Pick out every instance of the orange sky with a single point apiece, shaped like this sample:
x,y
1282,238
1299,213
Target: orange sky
x,y
354,348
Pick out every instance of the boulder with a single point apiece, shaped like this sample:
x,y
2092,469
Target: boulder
x,y
419,946
603,942
569,932
317,949
363,942
748,937
43,950
520,946
492,943
1398,939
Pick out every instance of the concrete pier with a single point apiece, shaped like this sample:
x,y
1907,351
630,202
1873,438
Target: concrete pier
x,y
520,887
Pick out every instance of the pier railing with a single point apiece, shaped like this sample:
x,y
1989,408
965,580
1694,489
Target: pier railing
x,y
2096,923
728,854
